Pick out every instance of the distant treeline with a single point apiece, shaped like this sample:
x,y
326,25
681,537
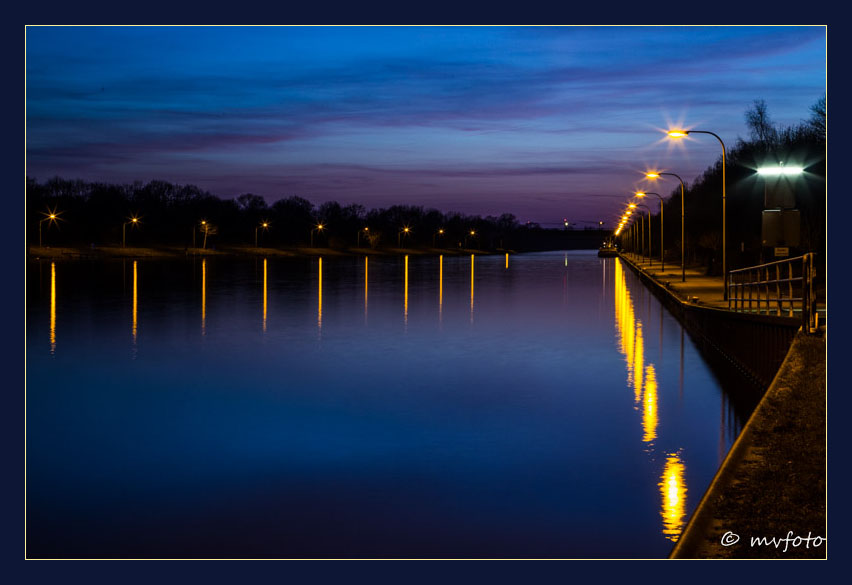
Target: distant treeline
x,y
168,214
93,213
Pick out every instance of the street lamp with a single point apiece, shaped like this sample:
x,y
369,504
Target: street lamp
x,y
662,243
205,227
404,231
366,231
681,134
134,221
319,227
655,175
650,258
440,232
264,226
51,216
472,234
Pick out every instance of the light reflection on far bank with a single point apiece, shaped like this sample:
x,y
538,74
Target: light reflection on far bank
x,y
204,296
135,305
319,296
471,288
366,272
405,294
440,288
264,295
52,308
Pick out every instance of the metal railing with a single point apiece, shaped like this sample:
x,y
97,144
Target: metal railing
x,y
780,288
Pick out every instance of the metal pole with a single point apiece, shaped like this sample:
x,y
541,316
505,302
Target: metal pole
x,y
724,241
682,238
662,235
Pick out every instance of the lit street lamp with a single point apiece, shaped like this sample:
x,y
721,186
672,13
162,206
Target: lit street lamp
x,y
366,231
263,226
51,217
404,231
134,221
653,175
440,232
318,228
681,134
472,234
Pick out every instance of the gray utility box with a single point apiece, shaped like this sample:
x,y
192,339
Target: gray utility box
x,y
780,227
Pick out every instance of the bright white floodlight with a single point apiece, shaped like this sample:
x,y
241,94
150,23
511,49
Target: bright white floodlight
x,y
779,171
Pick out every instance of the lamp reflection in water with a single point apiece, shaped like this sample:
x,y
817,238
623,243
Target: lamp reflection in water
x,y
507,260
135,307
638,363
319,298
631,341
405,294
264,295
643,379
673,492
471,288
366,270
440,288
649,405
52,308
204,296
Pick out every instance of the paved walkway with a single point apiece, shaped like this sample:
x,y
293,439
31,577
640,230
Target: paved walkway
x,y
705,290
699,288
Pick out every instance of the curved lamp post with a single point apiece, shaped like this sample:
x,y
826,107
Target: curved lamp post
x,y
654,175
662,243
681,134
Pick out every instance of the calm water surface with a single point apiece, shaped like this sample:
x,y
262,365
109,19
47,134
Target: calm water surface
x,y
540,405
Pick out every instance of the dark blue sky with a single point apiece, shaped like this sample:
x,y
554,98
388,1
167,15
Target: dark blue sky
x,y
542,122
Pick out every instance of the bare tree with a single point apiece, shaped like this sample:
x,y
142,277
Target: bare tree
x,y
761,127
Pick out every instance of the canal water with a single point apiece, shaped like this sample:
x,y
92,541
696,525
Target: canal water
x,y
531,406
